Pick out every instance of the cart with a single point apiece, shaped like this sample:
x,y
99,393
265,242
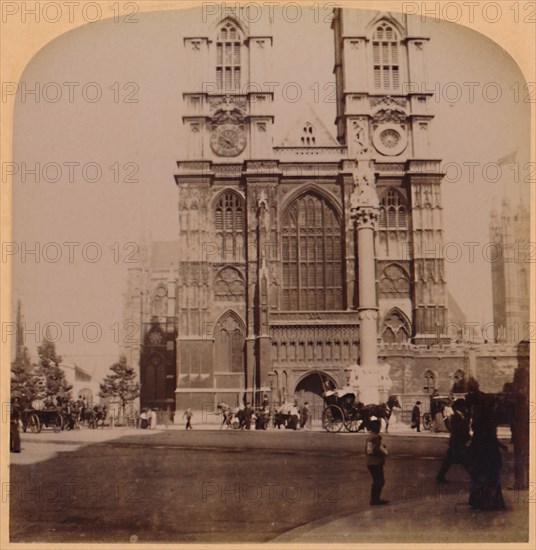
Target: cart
x,y
342,409
36,420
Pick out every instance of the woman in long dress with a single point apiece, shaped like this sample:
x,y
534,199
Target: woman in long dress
x,y
485,456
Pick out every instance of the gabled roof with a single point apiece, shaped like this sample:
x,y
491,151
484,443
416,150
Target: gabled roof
x,y
323,137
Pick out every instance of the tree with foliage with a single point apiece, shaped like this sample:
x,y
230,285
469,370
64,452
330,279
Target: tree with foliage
x,y
121,384
55,384
23,379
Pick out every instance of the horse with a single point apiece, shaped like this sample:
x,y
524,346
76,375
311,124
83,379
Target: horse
x,y
383,410
95,415
228,415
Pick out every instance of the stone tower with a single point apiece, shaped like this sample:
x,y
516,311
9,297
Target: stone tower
x,y
510,270
383,115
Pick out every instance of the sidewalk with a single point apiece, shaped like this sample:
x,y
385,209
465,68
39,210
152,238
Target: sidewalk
x,y
438,516
45,445
209,421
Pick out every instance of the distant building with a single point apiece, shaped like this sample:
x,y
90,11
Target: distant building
x,y
82,383
510,271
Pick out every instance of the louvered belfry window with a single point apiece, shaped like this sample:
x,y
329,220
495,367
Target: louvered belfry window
x,y
311,256
393,212
229,225
385,58
228,58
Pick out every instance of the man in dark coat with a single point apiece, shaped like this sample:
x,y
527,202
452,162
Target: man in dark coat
x,y
248,415
416,416
16,414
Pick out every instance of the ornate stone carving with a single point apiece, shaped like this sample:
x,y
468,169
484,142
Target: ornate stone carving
x,y
229,285
227,103
364,193
388,101
274,274
389,123
366,216
371,314
262,200
360,136
389,116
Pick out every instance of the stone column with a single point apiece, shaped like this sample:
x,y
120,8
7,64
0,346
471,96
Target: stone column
x,y
372,380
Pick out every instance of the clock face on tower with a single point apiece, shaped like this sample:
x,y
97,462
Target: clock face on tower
x,y
228,140
155,338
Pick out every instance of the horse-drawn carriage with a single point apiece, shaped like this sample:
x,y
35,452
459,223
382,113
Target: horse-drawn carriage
x,y
500,404
35,420
440,411
343,409
94,416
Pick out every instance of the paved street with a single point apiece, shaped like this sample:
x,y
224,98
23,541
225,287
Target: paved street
x,y
230,486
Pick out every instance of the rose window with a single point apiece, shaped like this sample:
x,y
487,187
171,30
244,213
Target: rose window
x,y
390,138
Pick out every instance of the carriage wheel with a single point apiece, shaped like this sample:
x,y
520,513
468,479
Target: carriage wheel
x,y
427,421
34,423
57,423
332,419
353,424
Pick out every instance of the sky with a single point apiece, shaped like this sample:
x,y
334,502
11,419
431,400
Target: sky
x,y
67,284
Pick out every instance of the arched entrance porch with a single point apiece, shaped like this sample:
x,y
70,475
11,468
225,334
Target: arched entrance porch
x,y
310,388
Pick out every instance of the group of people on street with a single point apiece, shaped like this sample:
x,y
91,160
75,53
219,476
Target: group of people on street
x,y
478,453
148,419
292,416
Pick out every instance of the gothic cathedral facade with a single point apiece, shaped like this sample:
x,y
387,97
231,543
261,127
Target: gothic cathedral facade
x,y
260,291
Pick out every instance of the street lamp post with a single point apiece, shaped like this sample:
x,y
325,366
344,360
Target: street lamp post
x,y
271,377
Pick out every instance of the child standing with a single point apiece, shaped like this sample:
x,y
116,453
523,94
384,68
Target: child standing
x,y
376,452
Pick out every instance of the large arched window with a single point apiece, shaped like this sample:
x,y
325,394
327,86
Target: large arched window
x,y
312,262
229,225
429,380
228,46
393,211
229,343
385,58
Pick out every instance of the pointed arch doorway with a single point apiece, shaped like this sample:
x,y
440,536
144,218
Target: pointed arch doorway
x,y
310,389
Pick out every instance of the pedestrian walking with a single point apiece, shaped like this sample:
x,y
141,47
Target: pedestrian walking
x,y
248,415
304,415
153,418
188,414
167,417
15,417
376,453
416,416
458,451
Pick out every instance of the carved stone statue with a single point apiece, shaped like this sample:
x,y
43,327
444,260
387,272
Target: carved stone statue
x,y
360,137
364,193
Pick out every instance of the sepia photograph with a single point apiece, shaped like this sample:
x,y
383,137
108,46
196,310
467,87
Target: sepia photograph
x,y
267,273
